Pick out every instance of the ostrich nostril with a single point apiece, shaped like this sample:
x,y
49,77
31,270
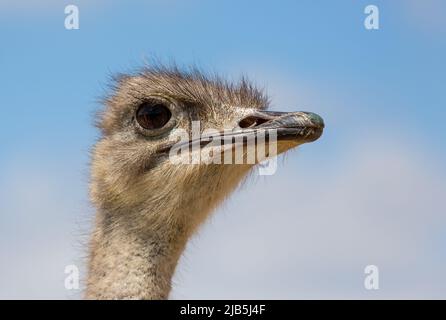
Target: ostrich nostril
x,y
251,122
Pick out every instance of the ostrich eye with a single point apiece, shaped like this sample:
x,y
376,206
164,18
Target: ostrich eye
x,y
153,116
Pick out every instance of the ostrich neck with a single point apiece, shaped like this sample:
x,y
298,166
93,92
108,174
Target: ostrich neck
x,y
127,262
134,251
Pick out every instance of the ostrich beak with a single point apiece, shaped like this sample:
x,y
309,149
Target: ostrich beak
x,y
295,127
288,129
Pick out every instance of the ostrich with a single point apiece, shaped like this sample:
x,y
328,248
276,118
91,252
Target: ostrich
x,y
146,206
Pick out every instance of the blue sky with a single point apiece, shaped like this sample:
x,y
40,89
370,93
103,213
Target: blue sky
x,y
381,93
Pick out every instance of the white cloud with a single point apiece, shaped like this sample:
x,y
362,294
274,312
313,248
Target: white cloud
x,y
40,205
306,232
313,238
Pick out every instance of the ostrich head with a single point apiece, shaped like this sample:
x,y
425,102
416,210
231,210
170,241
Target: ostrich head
x,y
148,205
